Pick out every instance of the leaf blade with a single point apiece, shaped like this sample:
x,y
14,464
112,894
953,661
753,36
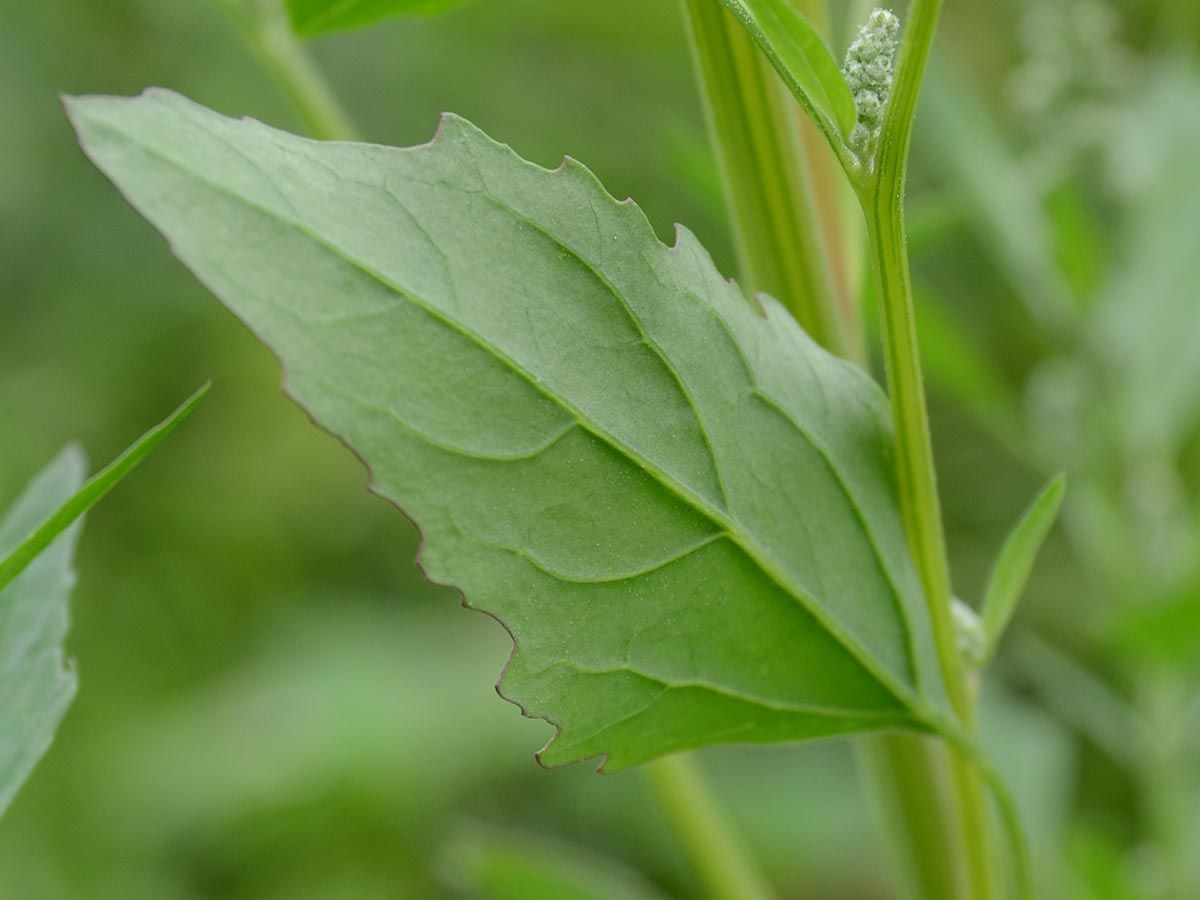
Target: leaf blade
x,y
794,46
1014,564
568,450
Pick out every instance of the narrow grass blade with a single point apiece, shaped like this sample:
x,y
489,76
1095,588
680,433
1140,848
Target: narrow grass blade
x,y
95,488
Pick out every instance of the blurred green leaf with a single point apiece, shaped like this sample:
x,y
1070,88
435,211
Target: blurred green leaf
x,y
491,866
798,52
310,17
90,494
1148,321
1078,696
959,368
605,445
36,545
1163,633
1015,562
1101,867
996,196
35,684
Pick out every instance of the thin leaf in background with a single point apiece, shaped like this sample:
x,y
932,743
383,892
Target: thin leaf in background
x,y
579,417
1164,633
37,541
1147,327
311,17
999,202
39,538
1015,561
507,867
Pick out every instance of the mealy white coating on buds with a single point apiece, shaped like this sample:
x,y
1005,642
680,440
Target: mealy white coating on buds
x,y
868,69
969,634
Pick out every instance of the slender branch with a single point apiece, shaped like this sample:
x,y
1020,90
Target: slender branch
x,y
264,25
693,814
882,195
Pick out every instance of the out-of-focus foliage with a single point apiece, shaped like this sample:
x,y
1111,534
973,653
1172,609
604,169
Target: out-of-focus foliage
x,y
35,683
316,16
37,544
268,687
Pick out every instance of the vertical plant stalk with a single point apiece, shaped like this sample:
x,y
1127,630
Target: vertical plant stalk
x,y
715,852
919,783
913,799
265,26
776,229
882,196
836,210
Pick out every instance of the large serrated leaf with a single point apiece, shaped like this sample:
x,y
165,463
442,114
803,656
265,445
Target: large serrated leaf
x,y
681,509
36,686
310,17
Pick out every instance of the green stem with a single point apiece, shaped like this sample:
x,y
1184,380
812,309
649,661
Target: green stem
x,y
752,121
265,26
694,817
882,196
914,802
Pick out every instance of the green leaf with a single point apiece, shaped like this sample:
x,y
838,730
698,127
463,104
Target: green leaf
x,y
1015,562
1147,323
1164,632
310,17
24,552
997,193
681,509
35,684
797,51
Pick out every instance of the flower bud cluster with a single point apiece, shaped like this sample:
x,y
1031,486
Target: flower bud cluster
x,y
868,69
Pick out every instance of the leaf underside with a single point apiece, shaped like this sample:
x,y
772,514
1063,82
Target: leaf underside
x,y
36,687
311,17
680,508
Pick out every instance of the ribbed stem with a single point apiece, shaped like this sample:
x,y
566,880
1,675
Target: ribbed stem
x,y
914,800
776,228
882,195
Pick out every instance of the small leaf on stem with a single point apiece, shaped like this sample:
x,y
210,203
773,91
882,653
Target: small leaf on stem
x,y
1015,562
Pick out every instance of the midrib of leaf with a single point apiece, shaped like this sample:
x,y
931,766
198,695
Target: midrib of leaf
x,y
739,536
829,712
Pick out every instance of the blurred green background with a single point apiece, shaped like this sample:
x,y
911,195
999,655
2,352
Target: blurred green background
x,y
274,704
